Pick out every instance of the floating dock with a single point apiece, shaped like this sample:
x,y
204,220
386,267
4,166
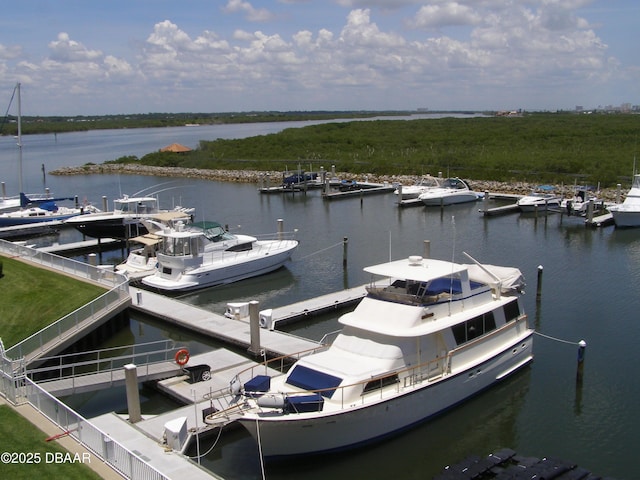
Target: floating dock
x,y
230,330
364,188
32,229
84,246
506,464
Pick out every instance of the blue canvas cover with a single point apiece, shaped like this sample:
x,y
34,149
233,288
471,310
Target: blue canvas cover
x,y
310,379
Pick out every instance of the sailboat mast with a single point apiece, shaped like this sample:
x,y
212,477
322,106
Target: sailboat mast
x,y
19,135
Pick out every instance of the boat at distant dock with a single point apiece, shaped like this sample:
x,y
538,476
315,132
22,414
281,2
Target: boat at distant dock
x,y
428,335
541,199
451,191
627,213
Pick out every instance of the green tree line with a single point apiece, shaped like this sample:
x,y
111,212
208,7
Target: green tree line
x,y
545,148
62,124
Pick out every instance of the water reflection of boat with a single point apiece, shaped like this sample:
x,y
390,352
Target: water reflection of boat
x,y
205,254
430,335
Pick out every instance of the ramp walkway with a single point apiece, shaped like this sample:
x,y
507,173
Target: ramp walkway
x,y
101,369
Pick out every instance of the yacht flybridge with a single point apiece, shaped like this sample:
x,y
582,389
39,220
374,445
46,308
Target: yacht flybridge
x,y
427,335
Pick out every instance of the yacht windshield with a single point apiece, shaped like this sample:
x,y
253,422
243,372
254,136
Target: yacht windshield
x,y
214,232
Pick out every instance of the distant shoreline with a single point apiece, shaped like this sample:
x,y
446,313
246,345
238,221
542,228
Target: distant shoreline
x,y
254,176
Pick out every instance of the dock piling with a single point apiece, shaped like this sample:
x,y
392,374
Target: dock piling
x,y
426,249
582,347
254,328
345,242
133,396
539,287
280,229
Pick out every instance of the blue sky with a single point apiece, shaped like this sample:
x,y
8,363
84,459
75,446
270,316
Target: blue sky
x,y
83,57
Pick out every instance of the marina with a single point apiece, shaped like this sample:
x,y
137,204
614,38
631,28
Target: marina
x,y
542,411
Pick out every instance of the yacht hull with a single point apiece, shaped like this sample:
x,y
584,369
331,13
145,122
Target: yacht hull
x,y
226,267
320,432
108,226
436,201
626,218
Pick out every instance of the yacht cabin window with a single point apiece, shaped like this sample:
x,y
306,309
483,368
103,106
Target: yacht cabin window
x,y
474,328
511,311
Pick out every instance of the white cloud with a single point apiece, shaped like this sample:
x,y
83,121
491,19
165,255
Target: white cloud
x,y
251,13
10,52
66,50
447,14
462,52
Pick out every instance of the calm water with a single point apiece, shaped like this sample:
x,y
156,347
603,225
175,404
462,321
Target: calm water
x,y
590,291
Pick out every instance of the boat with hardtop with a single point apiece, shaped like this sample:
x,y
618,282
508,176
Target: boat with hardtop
x,y
428,335
627,213
205,254
126,220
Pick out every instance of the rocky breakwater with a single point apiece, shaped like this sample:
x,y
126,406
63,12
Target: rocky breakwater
x,y
255,176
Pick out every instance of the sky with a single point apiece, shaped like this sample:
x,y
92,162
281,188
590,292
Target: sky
x,y
85,57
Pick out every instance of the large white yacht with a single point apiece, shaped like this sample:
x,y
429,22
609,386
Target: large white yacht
x,y
428,335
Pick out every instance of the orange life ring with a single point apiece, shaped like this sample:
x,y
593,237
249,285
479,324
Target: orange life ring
x,y
182,356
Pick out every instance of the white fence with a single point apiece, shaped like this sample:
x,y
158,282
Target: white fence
x,y
118,457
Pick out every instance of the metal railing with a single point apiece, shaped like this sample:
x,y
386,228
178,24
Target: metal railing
x,y
107,277
117,456
105,360
67,325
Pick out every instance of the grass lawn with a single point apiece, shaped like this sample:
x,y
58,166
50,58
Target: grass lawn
x,y
20,437
32,298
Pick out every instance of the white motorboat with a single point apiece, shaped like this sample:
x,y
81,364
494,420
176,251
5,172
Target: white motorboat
x,y
201,256
423,185
126,220
451,191
578,203
541,199
627,213
430,335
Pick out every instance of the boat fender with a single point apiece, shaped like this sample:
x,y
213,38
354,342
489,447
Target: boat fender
x,y
271,401
182,356
235,386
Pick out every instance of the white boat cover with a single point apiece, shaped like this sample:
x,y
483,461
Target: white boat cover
x,y
511,278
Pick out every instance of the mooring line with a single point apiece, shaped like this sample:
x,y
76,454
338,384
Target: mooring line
x,y
323,250
556,339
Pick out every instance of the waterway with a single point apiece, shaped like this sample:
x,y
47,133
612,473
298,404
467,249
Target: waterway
x,y
590,291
